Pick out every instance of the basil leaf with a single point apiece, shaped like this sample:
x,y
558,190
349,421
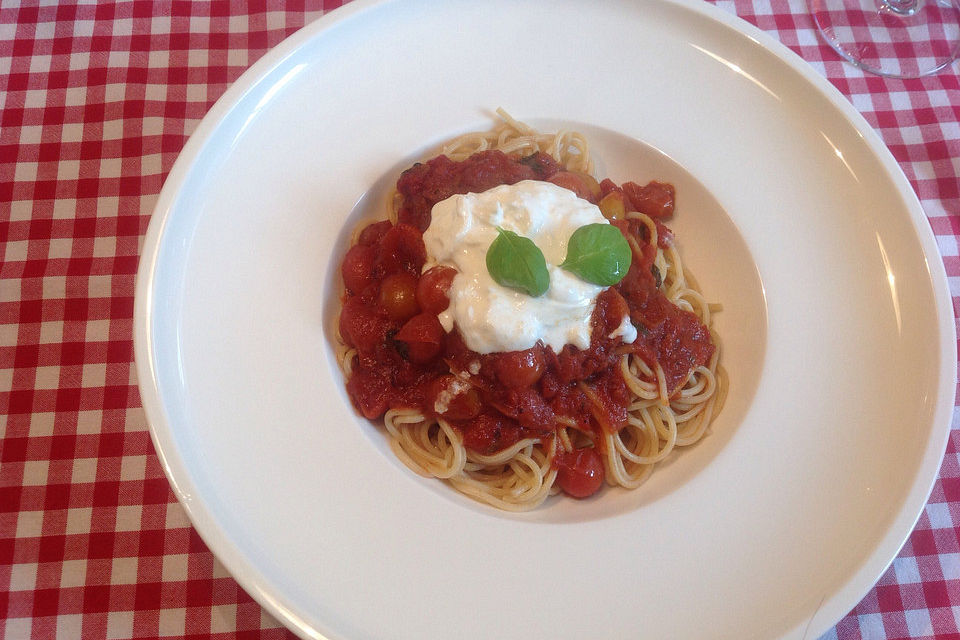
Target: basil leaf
x,y
514,261
598,253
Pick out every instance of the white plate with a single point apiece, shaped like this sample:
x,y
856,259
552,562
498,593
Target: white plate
x,y
837,329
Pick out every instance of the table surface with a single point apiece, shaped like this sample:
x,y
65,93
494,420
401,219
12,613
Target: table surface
x,y
97,100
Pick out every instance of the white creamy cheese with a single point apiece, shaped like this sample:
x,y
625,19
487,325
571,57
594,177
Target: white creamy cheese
x,y
448,393
493,318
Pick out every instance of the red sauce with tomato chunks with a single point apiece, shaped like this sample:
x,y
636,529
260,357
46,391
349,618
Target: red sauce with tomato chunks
x,y
406,360
425,184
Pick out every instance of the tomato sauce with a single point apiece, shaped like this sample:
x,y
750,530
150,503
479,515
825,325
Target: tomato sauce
x,y
406,360
425,184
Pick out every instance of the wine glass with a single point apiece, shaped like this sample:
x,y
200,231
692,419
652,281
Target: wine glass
x,y
895,38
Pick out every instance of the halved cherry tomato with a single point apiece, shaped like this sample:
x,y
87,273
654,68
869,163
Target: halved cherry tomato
x,y
423,335
519,369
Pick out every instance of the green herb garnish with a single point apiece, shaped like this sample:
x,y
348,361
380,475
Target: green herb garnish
x,y
515,262
598,253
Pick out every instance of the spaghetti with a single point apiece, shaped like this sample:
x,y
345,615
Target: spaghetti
x,y
512,429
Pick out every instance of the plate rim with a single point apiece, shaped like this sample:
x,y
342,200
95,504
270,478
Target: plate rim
x,y
849,592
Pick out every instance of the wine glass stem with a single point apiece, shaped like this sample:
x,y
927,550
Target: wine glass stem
x,y
900,7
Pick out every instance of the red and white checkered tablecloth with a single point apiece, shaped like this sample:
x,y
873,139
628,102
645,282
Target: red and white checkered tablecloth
x,y
97,100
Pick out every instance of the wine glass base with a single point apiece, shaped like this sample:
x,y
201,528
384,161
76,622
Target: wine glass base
x,y
875,37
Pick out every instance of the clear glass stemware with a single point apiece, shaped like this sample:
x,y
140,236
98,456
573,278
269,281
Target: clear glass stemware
x,y
896,38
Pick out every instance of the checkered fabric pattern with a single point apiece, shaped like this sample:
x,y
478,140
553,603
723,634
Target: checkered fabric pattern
x,y
97,100
916,46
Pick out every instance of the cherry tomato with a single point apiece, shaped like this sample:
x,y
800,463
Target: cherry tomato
x,y
360,327
462,401
398,295
575,182
423,335
372,233
402,249
543,164
580,472
608,186
593,187
519,369
432,288
611,310
612,206
654,199
357,268
370,390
